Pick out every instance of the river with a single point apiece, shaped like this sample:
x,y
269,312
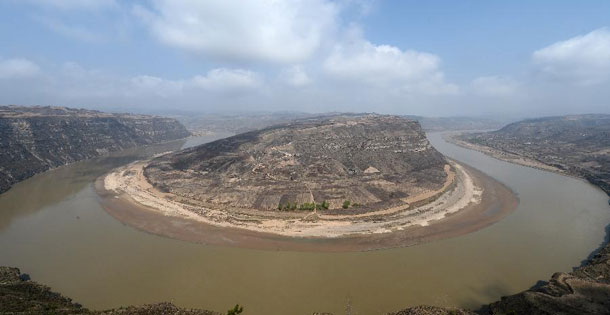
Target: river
x,y
53,228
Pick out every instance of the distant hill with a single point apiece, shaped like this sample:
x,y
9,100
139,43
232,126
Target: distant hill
x,y
35,139
577,144
242,122
238,122
458,123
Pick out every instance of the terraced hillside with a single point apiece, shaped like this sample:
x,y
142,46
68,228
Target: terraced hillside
x,y
371,160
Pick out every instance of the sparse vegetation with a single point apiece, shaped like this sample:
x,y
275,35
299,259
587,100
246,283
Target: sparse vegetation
x,y
304,206
235,310
307,206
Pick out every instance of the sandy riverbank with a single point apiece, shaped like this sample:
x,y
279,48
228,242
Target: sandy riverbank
x,y
471,202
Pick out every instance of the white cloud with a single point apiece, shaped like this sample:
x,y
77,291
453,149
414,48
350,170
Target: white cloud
x,y
156,85
18,68
494,86
216,80
74,4
295,76
71,84
583,60
388,66
227,80
262,30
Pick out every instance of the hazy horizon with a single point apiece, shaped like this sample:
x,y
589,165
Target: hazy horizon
x,y
433,59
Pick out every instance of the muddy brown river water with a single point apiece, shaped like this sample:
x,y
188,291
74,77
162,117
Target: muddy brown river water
x,y
53,227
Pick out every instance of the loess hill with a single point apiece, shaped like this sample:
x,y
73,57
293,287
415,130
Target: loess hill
x,y
370,160
576,144
34,139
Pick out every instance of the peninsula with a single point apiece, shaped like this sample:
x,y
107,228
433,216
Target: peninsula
x,y
325,177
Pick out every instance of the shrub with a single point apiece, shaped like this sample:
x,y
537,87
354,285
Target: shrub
x,y
307,206
235,310
346,204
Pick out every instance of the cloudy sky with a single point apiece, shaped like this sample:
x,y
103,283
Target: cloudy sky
x,y
523,58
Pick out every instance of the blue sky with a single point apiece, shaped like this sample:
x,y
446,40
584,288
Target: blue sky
x,y
519,58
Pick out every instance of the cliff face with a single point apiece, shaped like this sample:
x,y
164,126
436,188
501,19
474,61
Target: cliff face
x,y
35,139
372,160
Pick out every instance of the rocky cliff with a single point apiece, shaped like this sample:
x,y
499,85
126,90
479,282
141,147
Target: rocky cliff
x,y
35,139
586,290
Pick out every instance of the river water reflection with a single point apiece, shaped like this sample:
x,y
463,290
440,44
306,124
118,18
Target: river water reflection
x,y
52,227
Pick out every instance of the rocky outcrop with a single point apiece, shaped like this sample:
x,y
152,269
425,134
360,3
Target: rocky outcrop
x,y
20,295
371,160
586,290
35,139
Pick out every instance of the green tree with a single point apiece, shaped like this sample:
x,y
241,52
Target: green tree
x,y
325,205
235,310
346,204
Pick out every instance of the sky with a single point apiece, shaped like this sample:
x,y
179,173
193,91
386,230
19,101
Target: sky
x,y
432,58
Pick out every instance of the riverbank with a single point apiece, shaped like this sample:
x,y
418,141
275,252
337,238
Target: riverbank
x,y
585,290
560,152
470,200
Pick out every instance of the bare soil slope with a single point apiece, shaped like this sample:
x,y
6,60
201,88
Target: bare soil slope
x,y
370,160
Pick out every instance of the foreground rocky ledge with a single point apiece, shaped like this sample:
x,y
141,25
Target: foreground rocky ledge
x,y
20,295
